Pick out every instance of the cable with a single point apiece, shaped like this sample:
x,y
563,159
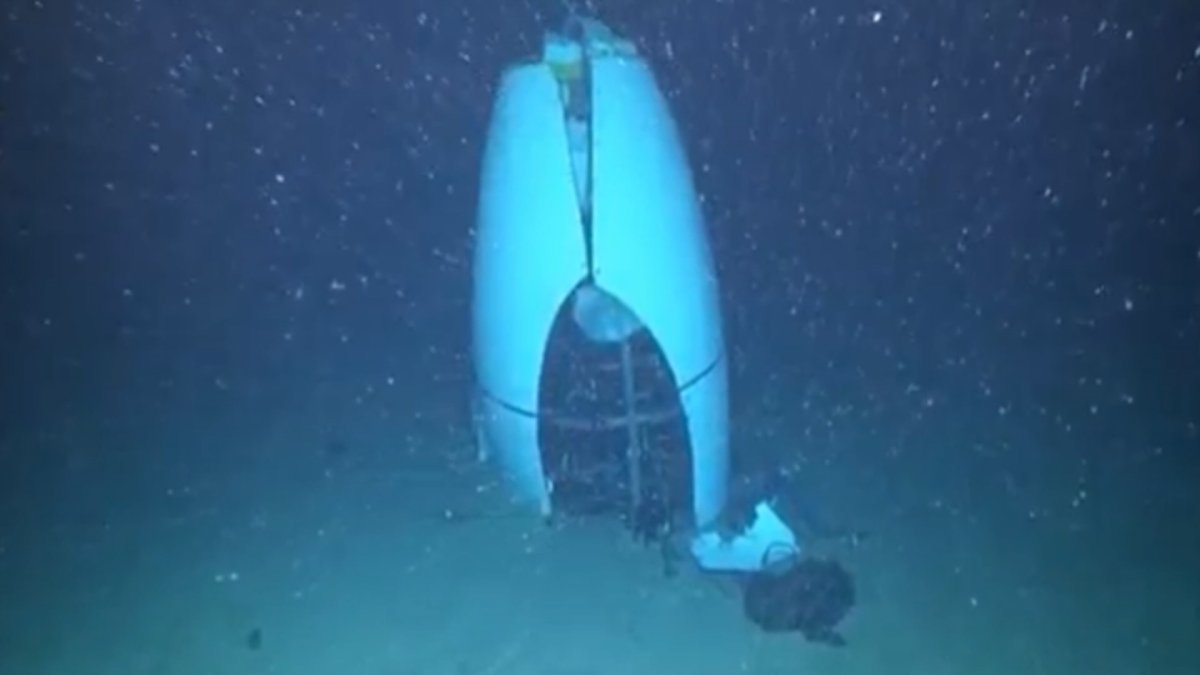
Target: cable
x,y
791,554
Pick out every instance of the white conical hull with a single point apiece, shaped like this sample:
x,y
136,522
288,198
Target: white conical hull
x,y
648,250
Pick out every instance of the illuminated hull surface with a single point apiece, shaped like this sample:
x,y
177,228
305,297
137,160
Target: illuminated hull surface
x,y
646,247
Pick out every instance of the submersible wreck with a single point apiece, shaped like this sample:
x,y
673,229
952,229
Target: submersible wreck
x,y
601,382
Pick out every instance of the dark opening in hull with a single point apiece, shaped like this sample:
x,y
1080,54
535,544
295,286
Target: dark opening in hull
x,y
611,428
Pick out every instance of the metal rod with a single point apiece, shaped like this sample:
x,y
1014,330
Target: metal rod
x,y
607,423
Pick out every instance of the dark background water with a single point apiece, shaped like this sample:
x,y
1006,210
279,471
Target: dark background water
x,y
975,221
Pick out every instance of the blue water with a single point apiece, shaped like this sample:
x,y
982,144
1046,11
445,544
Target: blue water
x,y
959,251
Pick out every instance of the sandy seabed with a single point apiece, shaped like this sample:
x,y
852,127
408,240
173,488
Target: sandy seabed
x,y
352,565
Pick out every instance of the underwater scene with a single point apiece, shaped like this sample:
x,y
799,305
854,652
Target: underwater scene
x,y
599,337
